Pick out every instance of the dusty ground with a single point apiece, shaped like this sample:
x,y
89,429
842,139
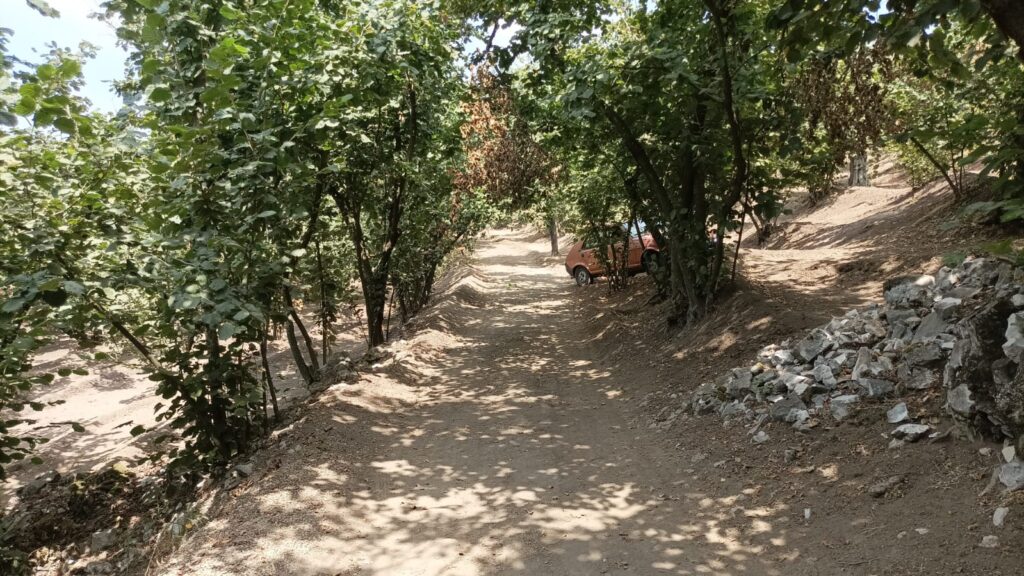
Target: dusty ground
x,y
529,427
115,395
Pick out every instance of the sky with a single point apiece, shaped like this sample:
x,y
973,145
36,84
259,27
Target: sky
x,y
32,32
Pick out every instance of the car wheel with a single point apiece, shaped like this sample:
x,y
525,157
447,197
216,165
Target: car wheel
x,y
650,261
582,276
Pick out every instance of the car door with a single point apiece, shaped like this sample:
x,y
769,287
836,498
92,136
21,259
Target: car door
x,y
588,255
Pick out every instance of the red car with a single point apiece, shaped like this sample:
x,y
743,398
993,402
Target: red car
x,y
583,264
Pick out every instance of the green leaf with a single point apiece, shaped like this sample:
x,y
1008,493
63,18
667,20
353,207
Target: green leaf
x,y
70,69
65,125
74,287
229,12
160,94
77,427
31,90
138,430
152,31
227,330
13,305
46,71
25,106
150,66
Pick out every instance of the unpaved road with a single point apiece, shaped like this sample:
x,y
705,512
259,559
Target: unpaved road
x,y
512,435
500,445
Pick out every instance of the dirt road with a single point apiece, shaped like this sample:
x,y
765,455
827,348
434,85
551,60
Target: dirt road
x,y
500,446
514,433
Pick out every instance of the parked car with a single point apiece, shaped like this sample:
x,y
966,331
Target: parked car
x,y
583,264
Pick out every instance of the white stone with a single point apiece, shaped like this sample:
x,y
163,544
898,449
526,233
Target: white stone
x,y
783,357
823,373
897,413
1009,453
911,432
842,406
1011,475
946,307
863,365
102,540
930,328
959,399
1014,336
990,541
999,516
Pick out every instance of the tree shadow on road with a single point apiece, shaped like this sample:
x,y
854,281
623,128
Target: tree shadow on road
x,y
506,450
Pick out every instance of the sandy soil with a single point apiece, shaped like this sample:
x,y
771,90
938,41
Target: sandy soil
x,y
116,395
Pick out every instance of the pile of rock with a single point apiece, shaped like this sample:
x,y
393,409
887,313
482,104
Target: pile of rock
x,y
962,329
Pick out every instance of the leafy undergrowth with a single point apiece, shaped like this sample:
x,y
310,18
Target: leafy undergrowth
x,y
89,523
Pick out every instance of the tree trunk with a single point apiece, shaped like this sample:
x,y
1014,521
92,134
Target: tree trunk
x,y
553,234
739,242
1019,139
325,326
953,184
859,169
268,376
375,295
313,362
1009,18
391,306
300,362
217,409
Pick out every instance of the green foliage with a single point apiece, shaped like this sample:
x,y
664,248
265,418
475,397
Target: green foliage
x,y
959,89
282,151
691,103
47,223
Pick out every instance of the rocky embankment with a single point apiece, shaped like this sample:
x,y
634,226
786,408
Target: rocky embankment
x,y
961,329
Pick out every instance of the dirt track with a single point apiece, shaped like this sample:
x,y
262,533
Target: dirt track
x,y
511,455
512,435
